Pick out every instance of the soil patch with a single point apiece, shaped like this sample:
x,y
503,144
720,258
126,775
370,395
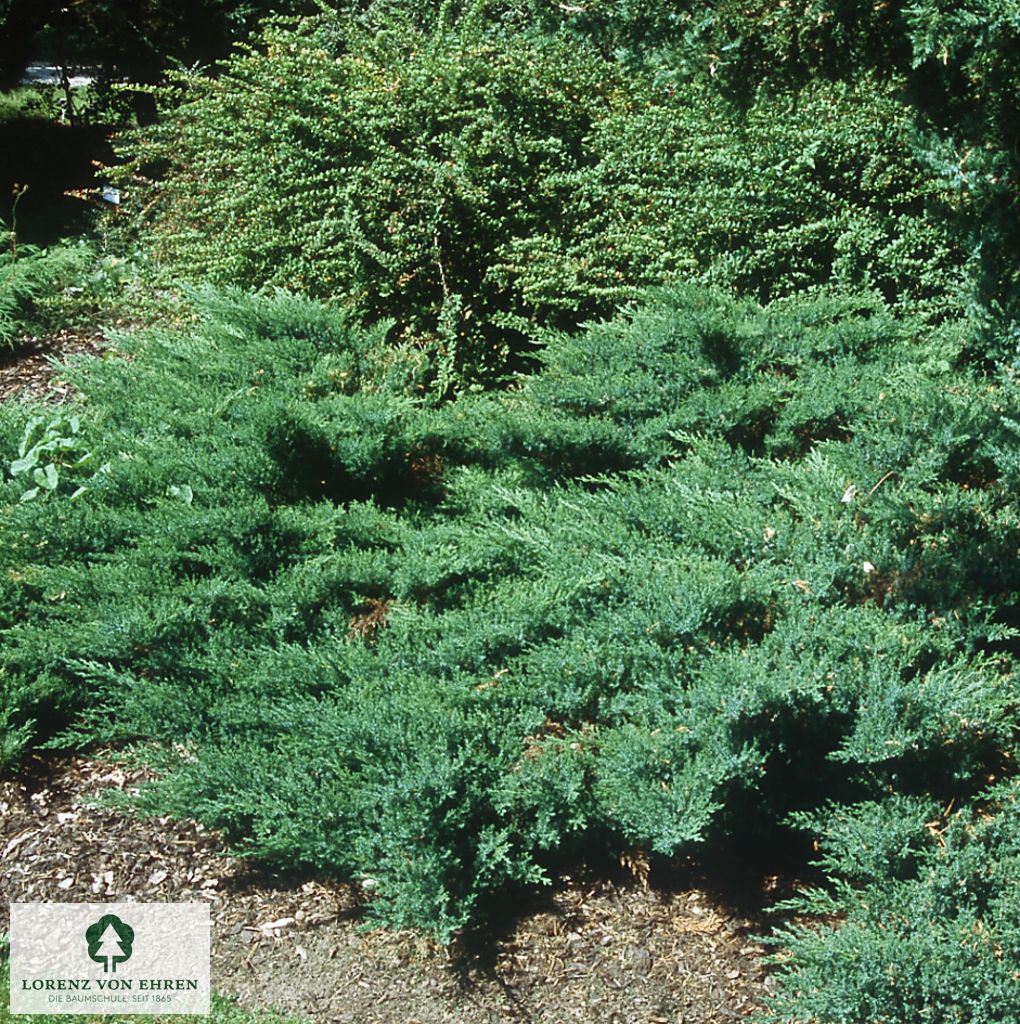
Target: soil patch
x,y
590,949
32,370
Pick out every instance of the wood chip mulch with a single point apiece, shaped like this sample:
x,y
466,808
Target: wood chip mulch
x,y
31,371
590,949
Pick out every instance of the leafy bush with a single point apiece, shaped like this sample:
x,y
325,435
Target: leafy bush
x,y
955,67
473,185
401,163
797,192
713,566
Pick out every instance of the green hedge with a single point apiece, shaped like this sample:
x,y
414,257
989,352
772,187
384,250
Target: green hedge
x,y
470,184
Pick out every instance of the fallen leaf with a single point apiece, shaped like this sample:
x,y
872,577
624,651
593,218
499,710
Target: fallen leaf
x,y
278,925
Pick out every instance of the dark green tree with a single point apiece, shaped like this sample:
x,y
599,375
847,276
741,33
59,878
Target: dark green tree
x,y
134,39
109,941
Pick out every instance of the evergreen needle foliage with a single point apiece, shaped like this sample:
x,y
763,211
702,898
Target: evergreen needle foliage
x,y
717,572
30,278
730,573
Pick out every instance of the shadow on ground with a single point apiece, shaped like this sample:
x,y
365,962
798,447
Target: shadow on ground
x,y
610,943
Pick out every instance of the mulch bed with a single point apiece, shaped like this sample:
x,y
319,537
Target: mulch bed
x,y
31,371
591,948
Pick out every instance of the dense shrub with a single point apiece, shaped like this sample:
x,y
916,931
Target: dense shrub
x,y
32,278
956,67
929,926
387,170
796,192
473,185
712,566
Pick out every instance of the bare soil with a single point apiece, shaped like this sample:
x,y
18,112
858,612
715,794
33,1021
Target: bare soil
x,y
31,371
606,947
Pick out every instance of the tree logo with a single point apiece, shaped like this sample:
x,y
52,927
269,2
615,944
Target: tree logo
x,y
109,942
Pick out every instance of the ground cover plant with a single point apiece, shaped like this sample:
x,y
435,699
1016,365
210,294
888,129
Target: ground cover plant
x,y
716,572
32,279
636,471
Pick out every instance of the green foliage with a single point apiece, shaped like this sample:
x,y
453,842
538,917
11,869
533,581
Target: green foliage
x,y
473,185
51,453
403,164
30,278
796,192
716,576
954,67
931,931
714,565
965,76
25,104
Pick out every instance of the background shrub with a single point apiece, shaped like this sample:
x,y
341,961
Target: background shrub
x,y
402,163
473,184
